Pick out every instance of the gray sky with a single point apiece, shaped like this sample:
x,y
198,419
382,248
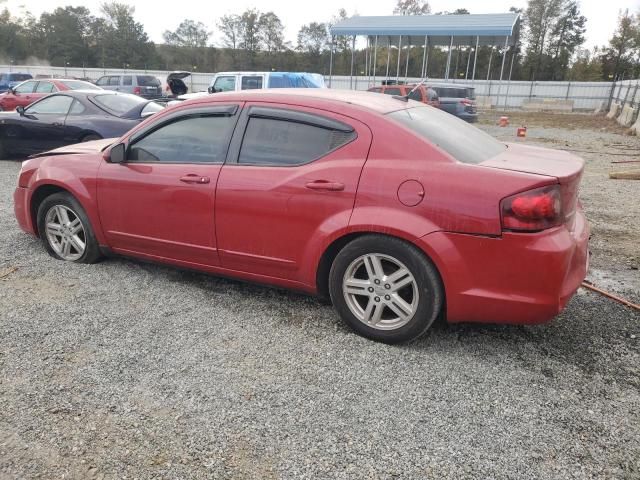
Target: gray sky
x,y
158,16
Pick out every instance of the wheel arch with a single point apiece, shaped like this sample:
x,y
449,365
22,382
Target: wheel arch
x,y
331,251
39,195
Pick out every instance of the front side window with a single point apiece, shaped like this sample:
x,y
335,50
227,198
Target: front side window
x,y
127,80
45,87
462,141
103,81
198,139
26,87
55,105
253,82
280,142
225,84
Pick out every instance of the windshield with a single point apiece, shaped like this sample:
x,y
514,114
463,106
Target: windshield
x,y
148,81
79,85
118,104
462,141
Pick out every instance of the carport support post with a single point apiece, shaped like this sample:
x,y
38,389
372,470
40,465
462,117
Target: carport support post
x,y
331,60
366,62
399,52
406,68
388,56
353,52
424,57
504,58
375,59
475,58
446,72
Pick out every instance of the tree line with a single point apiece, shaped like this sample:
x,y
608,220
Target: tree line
x,y
549,45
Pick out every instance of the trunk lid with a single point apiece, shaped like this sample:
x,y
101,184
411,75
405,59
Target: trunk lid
x,y
561,165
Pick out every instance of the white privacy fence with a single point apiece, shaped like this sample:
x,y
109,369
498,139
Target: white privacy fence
x,y
494,93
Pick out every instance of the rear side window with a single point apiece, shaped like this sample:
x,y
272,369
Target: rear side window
x,y
147,81
119,104
280,142
127,80
45,87
462,141
416,94
114,81
201,139
453,92
253,82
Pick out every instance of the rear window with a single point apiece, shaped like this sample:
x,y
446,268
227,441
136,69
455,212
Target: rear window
x,y
451,92
79,85
148,81
392,91
118,104
462,141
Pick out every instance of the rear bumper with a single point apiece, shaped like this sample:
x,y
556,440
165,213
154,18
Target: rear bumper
x,y
514,279
468,117
21,209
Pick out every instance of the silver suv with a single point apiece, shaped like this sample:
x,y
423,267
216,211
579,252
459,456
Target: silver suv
x,y
146,86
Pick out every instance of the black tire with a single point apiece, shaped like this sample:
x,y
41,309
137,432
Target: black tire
x,y
91,252
91,137
3,150
430,295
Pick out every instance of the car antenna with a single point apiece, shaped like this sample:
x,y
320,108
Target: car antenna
x,y
405,98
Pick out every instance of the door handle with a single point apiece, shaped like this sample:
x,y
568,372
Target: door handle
x,y
325,185
56,124
193,178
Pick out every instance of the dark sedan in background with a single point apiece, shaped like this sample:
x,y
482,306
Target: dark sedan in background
x,y
458,100
71,117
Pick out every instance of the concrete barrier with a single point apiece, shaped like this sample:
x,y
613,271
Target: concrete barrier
x,y
627,116
547,105
614,111
601,107
635,128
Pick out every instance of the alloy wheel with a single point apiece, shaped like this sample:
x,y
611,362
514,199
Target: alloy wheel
x,y
65,233
380,291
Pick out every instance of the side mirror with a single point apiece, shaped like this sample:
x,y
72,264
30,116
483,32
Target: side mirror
x,y
20,110
116,154
11,91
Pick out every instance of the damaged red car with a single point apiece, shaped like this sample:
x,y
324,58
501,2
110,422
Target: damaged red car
x,y
393,210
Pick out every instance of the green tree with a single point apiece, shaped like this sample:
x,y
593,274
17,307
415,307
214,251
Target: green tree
x,y
540,17
621,56
412,7
272,33
250,35
313,40
66,35
229,26
565,37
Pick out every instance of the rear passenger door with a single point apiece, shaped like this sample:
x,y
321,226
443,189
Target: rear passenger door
x,y
290,179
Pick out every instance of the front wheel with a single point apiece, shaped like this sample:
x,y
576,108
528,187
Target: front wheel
x,y
65,230
385,289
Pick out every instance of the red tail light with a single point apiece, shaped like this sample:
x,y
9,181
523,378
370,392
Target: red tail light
x,y
466,101
137,90
533,210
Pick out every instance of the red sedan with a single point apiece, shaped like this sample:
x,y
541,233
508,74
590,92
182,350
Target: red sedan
x,y
394,210
28,92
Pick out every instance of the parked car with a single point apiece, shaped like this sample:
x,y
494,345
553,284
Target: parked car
x,y
28,92
175,85
397,212
229,81
458,100
70,117
146,86
12,79
421,94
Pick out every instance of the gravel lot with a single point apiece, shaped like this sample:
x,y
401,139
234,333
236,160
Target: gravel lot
x,y
130,370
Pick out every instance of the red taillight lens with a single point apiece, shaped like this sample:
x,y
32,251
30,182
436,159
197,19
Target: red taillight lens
x,y
533,210
465,101
137,90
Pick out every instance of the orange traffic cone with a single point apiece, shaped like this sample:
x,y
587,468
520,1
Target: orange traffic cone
x,y
504,121
522,132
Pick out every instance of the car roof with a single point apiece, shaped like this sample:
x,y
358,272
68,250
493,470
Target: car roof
x,y
366,100
449,85
262,73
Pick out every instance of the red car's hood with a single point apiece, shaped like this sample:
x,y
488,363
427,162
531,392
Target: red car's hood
x,y
565,166
79,148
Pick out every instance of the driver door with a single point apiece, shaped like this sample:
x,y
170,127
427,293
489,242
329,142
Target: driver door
x,y
159,203
43,124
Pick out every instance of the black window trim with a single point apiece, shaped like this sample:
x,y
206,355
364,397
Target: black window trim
x,y
217,111
284,113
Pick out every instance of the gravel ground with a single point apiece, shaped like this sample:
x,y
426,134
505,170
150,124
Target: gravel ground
x,y
130,370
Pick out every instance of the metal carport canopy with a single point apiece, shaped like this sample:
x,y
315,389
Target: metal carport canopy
x,y
440,28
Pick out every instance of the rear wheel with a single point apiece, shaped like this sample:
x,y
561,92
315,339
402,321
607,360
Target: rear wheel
x,y
65,230
385,289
